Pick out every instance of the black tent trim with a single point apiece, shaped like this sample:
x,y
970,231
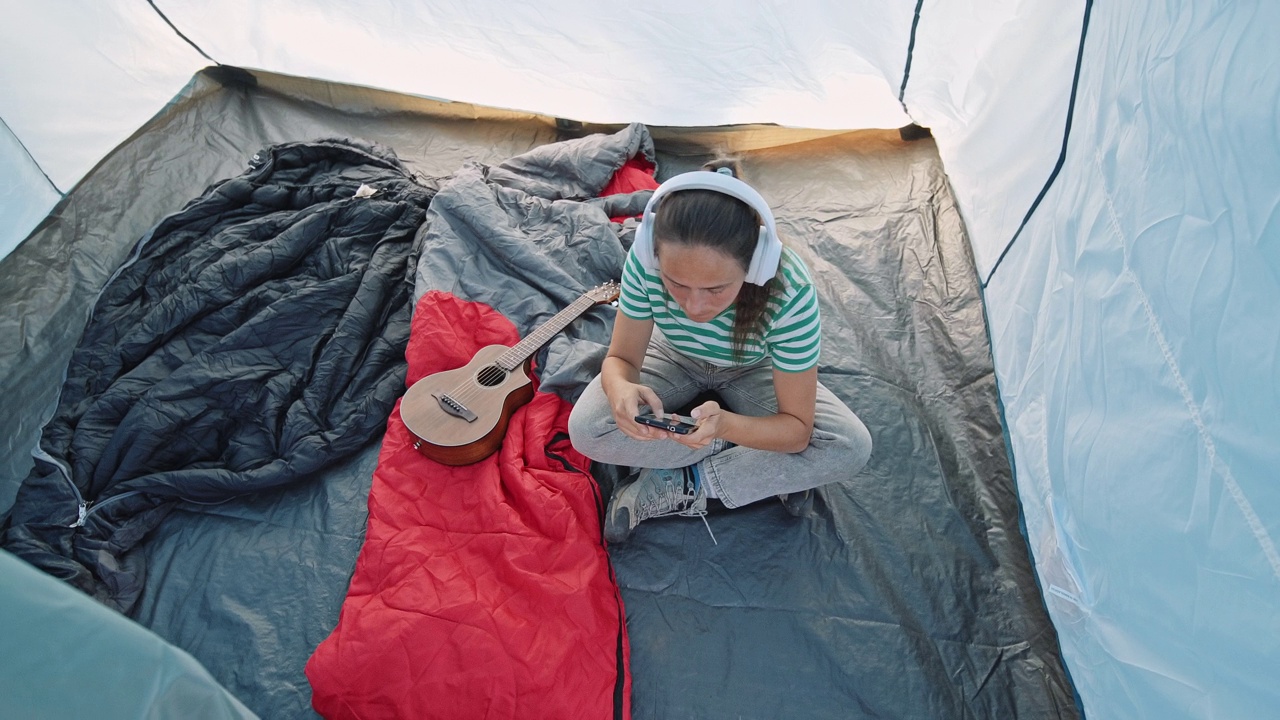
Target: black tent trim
x,y
1062,154
911,49
188,40
22,145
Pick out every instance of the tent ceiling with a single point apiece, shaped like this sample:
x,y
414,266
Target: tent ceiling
x,y
992,79
664,63
77,80
1133,323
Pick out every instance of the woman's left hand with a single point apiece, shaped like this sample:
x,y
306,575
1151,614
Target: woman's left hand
x,y
708,416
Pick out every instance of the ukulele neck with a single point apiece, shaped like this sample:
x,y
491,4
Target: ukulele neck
x,y
515,357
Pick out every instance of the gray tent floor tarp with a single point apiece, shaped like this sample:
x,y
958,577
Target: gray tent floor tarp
x,y
906,591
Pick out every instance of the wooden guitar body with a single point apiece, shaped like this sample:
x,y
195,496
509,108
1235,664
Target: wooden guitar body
x,y
481,387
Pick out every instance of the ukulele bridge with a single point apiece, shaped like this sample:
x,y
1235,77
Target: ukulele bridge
x,y
455,408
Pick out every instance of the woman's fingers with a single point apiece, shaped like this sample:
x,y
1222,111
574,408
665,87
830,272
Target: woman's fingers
x,y
650,398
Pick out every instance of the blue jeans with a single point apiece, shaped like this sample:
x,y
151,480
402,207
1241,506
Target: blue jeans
x,y
838,448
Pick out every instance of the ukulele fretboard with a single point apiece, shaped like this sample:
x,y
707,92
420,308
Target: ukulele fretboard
x,y
515,357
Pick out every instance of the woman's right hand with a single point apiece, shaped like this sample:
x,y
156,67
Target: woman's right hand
x,y
625,400
619,375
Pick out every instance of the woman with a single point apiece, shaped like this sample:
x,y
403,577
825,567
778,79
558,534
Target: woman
x,y
712,301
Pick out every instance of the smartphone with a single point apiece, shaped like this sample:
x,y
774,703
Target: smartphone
x,y
671,423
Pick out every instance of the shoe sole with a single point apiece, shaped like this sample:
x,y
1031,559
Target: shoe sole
x,y
617,528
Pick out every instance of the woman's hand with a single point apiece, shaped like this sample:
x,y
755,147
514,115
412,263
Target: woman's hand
x,y
708,416
625,400
621,370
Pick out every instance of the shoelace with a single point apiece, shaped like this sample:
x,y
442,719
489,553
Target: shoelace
x,y
649,503
702,514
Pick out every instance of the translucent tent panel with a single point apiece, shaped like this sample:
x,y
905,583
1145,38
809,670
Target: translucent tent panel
x,y
998,68
77,80
26,195
994,83
108,665
817,65
1136,333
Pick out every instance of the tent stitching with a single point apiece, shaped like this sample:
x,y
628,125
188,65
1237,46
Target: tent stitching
x,y
23,145
1229,483
1062,155
911,48
168,22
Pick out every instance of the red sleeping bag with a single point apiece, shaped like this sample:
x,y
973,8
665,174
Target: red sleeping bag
x,y
481,591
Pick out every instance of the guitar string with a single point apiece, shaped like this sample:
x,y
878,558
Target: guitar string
x,y
470,389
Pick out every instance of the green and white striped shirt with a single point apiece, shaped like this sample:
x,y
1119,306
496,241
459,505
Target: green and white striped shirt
x,y
792,327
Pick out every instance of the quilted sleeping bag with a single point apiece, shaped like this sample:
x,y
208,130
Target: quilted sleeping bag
x,y
481,591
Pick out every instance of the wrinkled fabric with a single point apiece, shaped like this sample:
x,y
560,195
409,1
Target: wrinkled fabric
x,y
905,588
491,581
481,590
255,336
910,595
529,235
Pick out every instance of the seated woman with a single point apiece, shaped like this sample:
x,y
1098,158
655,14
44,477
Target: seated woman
x,y
735,313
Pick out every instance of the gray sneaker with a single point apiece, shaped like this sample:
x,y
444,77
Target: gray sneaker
x,y
654,493
797,503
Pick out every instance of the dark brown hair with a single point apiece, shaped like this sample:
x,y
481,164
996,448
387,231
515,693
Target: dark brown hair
x,y
706,218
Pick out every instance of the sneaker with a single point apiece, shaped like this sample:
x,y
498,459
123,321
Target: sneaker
x,y
654,493
796,503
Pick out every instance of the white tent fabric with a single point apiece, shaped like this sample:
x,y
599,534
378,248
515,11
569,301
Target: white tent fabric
x,y
1134,317
991,79
75,82
1136,329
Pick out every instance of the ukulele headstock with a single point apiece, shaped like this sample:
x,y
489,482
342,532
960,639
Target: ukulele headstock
x,y
606,292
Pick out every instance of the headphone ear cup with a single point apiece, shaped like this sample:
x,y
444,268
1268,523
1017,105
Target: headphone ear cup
x,y
642,245
764,261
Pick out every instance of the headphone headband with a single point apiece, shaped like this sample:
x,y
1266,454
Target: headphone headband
x,y
764,261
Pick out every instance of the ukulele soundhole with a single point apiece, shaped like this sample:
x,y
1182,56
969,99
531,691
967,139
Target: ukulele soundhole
x,y
491,376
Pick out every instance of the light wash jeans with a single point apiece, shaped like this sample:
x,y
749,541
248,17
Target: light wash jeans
x,y
838,448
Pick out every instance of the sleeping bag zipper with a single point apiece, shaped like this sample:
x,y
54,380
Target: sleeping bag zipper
x,y
82,505
86,509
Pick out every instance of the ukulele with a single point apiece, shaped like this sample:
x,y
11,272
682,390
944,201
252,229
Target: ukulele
x,y
460,416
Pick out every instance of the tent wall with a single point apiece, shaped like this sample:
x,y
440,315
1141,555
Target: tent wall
x,y
26,195
1136,330
1134,319
75,82
78,81
804,65
993,82
107,665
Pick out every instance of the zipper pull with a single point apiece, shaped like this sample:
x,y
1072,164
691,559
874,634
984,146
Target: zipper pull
x,y
82,511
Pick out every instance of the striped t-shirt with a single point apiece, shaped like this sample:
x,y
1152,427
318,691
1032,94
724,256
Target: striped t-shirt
x,y
792,327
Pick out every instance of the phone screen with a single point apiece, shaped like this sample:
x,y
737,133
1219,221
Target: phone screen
x,y
671,423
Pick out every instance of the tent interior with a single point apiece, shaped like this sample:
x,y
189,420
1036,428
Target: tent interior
x,y
1055,310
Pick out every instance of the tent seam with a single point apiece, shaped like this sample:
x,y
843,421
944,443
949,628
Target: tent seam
x,y
1233,488
911,48
1255,524
1062,154
188,40
35,162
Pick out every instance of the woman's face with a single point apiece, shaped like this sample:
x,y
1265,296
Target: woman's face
x,y
703,280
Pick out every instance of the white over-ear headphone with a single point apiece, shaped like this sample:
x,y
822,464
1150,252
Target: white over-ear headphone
x,y
764,261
